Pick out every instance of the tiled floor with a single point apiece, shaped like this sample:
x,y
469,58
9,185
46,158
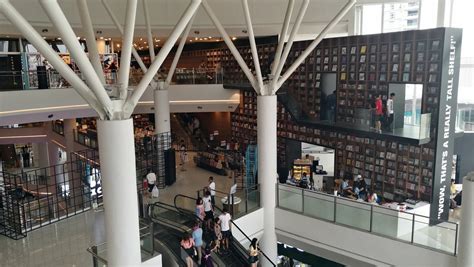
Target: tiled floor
x,y
65,243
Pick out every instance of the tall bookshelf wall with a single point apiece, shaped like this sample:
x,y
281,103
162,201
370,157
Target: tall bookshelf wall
x,y
364,65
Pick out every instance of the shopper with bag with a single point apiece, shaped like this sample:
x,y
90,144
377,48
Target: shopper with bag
x,y
187,244
253,253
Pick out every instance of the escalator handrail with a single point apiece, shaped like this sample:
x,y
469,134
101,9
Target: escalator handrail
x,y
231,221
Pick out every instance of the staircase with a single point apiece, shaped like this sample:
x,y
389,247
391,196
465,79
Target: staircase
x,y
251,156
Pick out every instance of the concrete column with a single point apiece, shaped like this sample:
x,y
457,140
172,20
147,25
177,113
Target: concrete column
x,y
162,109
466,228
444,13
69,128
117,164
267,171
162,130
54,161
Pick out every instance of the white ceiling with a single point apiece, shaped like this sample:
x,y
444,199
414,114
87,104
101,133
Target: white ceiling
x,y
267,16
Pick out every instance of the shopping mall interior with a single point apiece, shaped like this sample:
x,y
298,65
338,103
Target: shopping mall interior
x,y
236,133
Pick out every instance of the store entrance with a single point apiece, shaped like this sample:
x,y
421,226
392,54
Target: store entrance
x,y
318,163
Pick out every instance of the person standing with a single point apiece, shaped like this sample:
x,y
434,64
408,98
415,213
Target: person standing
x,y
197,237
187,244
253,253
208,209
390,111
225,219
199,211
206,261
183,154
378,114
212,188
331,102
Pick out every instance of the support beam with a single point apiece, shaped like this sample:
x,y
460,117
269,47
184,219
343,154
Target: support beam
x,y
267,170
127,43
132,100
466,231
284,31
230,45
182,42
291,39
90,38
313,45
120,29
253,45
43,47
69,38
118,171
149,35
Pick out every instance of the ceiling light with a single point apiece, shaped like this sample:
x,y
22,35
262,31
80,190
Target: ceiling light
x,y
195,38
118,45
144,42
101,38
78,38
234,38
141,39
44,37
191,40
147,46
200,39
210,37
159,40
205,38
59,38
156,45
134,44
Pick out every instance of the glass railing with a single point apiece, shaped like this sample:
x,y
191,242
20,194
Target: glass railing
x,y
243,201
99,251
465,119
404,226
86,138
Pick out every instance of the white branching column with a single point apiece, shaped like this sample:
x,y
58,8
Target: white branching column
x,y
117,166
267,170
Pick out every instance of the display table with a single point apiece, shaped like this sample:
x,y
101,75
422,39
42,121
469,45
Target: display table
x,y
233,209
399,224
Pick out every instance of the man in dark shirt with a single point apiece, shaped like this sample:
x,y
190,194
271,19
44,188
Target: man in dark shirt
x,y
360,187
331,102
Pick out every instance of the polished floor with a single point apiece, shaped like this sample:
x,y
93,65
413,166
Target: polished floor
x,y
65,243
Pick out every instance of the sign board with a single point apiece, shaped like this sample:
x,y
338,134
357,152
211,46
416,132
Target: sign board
x,y
439,209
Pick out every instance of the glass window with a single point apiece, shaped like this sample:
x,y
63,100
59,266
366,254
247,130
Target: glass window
x,y
371,19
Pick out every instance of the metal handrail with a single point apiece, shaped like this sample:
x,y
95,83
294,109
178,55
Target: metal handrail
x,y
231,221
370,208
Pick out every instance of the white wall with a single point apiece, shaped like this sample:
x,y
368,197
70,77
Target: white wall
x,y
251,224
345,243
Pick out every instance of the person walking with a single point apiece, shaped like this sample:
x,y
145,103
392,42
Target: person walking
x,y
197,237
253,253
199,211
225,219
212,188
217,237
187,244
390,112
183,155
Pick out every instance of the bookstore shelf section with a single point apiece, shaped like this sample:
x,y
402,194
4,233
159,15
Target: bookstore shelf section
x,y
364,65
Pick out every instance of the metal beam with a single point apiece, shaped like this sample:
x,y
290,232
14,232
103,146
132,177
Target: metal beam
x,y
148,31
90,38
69,38
313,44
120,29
284,31
127,43
132,100
291,39
253,46
43,47
230,45
182,42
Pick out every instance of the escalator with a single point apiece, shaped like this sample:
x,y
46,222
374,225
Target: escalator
x,y
172,221
238,255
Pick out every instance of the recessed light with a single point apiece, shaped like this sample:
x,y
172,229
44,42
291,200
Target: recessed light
x,y
210,37
234,38
195,38
118,45
78,38
205,38
159,40
101,38
59,38
144,42
156,45
141,39
190,40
